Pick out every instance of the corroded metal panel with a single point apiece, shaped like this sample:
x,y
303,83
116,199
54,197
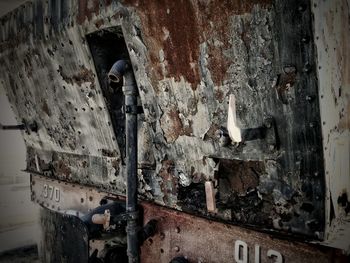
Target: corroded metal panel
x,y
332,38
201,240
261,53
189,57
178,233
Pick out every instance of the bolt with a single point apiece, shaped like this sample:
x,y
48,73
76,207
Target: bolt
x,y
162,236
309,98
307,67
305,39
301,7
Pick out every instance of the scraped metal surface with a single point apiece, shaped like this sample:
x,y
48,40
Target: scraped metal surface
x,y
188,57
201,240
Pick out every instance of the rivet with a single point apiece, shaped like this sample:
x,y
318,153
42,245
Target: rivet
x,y
309,98
307,67
177,230
305,39
176,248
301,7
162,236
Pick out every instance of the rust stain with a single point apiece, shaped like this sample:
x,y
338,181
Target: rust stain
x,y
178,27
181,234
99,23
109,153
63,169
82,76
169,183
219,95
88,8
171,26
115,164
173,127
241,176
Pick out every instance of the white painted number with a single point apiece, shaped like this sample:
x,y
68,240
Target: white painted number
x,y
241,252
273,253
57,194
52,193
242,255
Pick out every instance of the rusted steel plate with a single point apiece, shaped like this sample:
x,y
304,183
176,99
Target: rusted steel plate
x,y
181,234
202,240
65,197
188,57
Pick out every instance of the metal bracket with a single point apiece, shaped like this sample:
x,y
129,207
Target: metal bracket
x,y
28,127
267,132
132,109
126,216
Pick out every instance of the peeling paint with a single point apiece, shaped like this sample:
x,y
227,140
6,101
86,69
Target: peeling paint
x,y
189,57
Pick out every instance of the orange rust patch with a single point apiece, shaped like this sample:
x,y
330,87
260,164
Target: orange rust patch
x,y
99,23
86,9
169,182
178,27
241,176
219,95
63,169
172,126
80,77
175,33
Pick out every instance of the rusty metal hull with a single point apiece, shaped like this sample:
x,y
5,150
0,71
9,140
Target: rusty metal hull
x,y
202,240
189,58
178,233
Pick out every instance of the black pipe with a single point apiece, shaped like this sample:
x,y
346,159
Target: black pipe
x,y
122,68
12,127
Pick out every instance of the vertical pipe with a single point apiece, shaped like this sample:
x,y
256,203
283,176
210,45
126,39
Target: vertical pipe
x,y
130,92
123,69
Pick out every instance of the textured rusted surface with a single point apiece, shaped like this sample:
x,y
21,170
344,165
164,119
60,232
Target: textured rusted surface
x,y
65,197
177,234
201,240
174,31
188,58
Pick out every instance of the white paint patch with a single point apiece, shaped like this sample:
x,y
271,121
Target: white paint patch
x,y
233,130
